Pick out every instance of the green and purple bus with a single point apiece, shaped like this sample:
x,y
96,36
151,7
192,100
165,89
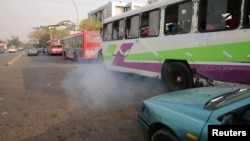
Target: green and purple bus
x,y
181,42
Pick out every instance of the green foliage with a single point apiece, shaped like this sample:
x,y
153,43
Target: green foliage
x,y
14,41
40,36
90,24
43,34
59,33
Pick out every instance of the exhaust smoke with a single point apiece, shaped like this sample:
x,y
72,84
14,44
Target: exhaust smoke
x,y
97,88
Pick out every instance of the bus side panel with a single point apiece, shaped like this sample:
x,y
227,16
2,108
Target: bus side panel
x,y
91,44
222,56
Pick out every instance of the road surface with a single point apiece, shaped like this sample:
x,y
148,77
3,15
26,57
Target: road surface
x,y
48,98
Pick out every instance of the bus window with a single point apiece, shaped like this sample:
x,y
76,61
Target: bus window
x,y
219,15
233,20
150,23
118,29
247,14
107,32
121,29
115,30
132,27
144,24
79,42
178,18
154,20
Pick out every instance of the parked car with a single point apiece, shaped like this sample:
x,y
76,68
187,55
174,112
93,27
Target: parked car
x,y
185,115
20,49
32,52
12,49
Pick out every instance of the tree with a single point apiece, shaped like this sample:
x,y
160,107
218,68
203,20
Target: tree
x,y
42,34
59,32
39,36
14,41
90,24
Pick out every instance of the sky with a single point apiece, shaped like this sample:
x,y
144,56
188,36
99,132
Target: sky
x,y
19,17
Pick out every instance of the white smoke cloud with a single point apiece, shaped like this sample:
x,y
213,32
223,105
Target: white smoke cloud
x,y
98,88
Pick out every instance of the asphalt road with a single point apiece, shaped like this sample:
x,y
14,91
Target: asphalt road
x,y
9,58
50,98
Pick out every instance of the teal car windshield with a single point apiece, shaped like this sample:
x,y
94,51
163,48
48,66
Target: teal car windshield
x,y
227,98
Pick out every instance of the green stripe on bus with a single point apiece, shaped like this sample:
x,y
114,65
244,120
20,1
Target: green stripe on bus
x,y
236,52
110,52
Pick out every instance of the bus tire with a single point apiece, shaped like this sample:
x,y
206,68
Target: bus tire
x,y
177,76
76,58
64,55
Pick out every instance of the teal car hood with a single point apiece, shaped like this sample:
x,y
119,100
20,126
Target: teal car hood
x,y
184,111
196,97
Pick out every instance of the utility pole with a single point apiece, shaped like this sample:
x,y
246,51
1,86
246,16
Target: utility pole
x,y
76,14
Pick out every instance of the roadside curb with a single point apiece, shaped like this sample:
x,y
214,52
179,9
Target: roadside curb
x,y
13,61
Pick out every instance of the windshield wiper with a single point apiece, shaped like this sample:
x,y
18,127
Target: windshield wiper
x,y
210,105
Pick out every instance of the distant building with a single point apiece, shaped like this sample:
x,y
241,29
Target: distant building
x,y
113,8
3,45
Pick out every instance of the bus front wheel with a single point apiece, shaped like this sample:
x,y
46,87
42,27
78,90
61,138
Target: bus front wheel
x,y
176,76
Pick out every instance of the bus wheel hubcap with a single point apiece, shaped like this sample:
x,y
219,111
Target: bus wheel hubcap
x,y
179,79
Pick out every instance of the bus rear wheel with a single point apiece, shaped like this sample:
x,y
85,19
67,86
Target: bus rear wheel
x,y
176,76
64,55
76,58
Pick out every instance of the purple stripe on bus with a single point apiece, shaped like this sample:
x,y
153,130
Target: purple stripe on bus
x,y
227,73
120,58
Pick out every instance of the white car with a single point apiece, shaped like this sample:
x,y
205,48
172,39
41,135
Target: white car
x,y
20,49
12,49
